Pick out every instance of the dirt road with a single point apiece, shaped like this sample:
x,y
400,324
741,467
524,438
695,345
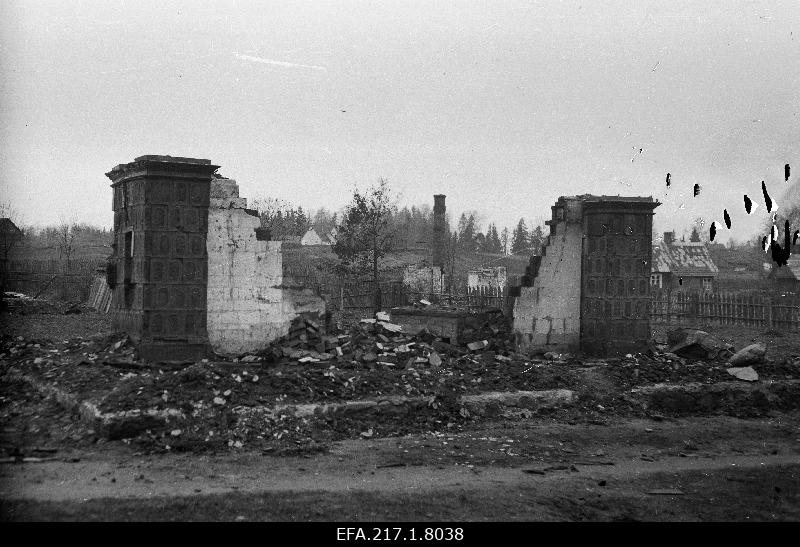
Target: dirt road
x,y
683,469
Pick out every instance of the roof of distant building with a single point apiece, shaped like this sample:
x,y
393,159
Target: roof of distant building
x,y
684,258
7,225
790,270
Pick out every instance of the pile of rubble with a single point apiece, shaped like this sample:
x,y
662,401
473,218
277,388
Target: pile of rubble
x,y
377,341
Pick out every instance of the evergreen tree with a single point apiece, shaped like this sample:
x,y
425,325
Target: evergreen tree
x,y
493,244
519,239
467,233
537,240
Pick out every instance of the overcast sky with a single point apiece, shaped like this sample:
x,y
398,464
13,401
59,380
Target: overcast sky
x,y
502,106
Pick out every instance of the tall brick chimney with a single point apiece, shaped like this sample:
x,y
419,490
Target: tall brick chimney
x,y
439,228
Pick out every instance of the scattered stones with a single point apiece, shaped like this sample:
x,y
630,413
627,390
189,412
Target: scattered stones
x,y
696,344
476,346
748,374
752,354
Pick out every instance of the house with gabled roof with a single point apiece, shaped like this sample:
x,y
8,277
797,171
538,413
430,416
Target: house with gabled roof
x,y
685,265
10,235
315,237
787,276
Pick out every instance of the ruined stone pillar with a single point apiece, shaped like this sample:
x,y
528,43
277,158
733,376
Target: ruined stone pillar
x,y
159,264
439,231
590,290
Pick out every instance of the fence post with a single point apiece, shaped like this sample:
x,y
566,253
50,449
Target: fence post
x,y
769,311
669,307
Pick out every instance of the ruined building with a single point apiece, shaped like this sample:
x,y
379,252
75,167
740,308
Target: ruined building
x,y
589,289
428,277
189,270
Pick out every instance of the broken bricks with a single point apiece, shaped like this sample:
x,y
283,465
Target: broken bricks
x,y
476,346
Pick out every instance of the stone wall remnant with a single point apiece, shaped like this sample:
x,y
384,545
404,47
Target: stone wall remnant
x,y
190,267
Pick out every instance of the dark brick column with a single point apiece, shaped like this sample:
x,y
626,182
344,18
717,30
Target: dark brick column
x,y
159,264
615,274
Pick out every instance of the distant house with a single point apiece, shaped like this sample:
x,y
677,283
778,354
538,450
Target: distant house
x,y
312,237
786,277
682,264
10,235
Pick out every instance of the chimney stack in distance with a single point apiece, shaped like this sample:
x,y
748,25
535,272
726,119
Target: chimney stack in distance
x,y
439,227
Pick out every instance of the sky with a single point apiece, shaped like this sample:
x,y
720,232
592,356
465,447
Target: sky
x,y
502,106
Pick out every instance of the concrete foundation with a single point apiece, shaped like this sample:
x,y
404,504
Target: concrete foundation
x,y
445,324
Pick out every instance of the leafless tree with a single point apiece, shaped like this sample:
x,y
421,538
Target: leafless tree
x,y
66,234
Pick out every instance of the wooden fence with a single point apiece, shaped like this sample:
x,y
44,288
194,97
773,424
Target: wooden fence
x,y
360,295
752,308
50,278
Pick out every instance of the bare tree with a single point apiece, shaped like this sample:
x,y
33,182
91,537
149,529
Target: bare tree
x,y
66,234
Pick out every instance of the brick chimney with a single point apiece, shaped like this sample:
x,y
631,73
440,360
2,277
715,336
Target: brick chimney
x,y
439,228
669,237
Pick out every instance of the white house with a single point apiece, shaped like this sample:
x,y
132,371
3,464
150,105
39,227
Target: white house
x,y
311,237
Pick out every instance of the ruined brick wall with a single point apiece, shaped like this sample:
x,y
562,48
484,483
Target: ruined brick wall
x,y
547,314
590,290
248,307
423,279
245,301
495,278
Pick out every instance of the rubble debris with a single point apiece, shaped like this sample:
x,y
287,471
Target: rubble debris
x,y
750,355
696,344
743,373
391,327
475,346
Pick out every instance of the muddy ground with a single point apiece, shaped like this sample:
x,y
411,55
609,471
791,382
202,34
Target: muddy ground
x,y
602,459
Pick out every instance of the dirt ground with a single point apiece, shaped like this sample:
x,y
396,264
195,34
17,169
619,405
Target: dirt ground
x,y
596,461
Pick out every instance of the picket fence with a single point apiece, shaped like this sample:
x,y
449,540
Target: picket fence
x,y
780,311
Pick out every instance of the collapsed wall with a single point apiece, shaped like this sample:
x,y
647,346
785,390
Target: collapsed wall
x,y
248,306
547,311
